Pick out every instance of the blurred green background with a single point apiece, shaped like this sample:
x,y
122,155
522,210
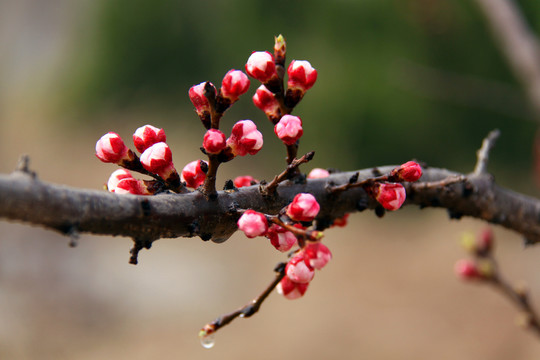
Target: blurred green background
x,y
397,80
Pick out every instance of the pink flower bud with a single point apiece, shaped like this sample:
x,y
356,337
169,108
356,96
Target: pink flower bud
x,y
214,141
157,159
390,195
260,66
253,224
243,181
484,243
317,255
265,100
298,269
291,290
289,129
466,269
410,171
301,75
115,178
111,148
201,103
131,186
318,173
342,221
234,84
146,136
280,238
193,174
245,138
304,207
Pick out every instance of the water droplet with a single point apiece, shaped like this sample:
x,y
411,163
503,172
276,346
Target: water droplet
x,y
208,341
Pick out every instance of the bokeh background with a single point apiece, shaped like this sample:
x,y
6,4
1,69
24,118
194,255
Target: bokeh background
x,y
397,80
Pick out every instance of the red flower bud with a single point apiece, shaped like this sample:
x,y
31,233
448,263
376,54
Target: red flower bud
x,y
214,141
317,255
410,171
146,136
318,173
111,148
289,129
291,290
245,138
390,195
157,159
260,66
201,103
253,224
304,207
301,75
193,174
243,181
115,178
265,100
342,221
131,186
299,270
234,84
467,270
280,238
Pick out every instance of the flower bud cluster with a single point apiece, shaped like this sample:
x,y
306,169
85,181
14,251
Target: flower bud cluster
x,y
481,266
155,160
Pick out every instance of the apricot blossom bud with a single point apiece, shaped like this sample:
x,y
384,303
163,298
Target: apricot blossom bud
x,y
131,186
318,173
194,173
243,181
115,178
301,75
410,171
214,141
157,159
245,138
341,221
289,129
280,49
304,207
317,255
466,269
390,195
234,84
146,136
200,101
110,148
291,290
280,238
253,223
299,270
260,65
265,100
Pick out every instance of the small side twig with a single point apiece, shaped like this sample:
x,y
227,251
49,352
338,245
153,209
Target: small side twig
x,y
271,187
483,153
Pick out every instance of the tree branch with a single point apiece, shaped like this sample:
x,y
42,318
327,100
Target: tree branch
x,y
147,218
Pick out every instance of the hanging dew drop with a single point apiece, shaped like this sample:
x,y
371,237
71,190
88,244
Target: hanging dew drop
x,y
208,341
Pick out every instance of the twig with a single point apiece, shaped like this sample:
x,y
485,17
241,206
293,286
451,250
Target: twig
x,y
247,310
270,188
483,153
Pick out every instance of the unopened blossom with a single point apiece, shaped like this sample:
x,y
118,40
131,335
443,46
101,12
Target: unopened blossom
x,y
466,269
304,207
265,100
301,75
317,255
410,171
234,84
115,177
289,129
157,159
318,173
390,195
146,136
243,181
299,270
245,138
291,290
131,186
341,221
214,141
110,148
282,239
261,66
253,223
199,100
193,174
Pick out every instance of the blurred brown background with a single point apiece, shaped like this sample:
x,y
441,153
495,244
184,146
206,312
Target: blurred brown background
x,y
72,70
